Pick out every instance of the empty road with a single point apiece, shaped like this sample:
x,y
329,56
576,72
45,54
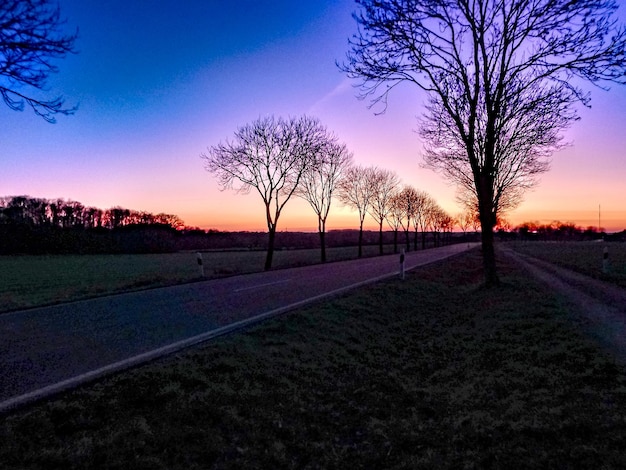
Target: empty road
x,y
46,350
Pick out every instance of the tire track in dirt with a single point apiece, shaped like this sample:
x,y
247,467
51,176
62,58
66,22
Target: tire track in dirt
x,y
601,306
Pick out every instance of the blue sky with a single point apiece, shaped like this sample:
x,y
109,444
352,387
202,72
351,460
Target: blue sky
x,y
157,82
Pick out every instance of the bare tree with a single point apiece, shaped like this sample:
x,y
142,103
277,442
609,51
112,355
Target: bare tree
x,y
30,37
465,219
355,191
503,81
394,218
270,155
166,219
424,203
405,205
320,180
440,221
384,185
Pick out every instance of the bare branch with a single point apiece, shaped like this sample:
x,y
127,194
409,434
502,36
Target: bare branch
x,y
30,36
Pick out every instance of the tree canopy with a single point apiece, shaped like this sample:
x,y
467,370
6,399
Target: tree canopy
x,y
269,155
320,181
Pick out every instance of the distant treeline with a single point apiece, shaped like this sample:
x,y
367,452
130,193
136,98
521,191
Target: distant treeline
x,y
38,226
60,213
561,231
56,226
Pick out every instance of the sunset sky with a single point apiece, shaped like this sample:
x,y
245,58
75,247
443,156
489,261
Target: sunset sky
x,y
158,82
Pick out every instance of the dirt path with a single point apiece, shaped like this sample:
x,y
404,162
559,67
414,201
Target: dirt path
x,y
601,306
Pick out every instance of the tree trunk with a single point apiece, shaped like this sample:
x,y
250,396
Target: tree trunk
x,y
323,245
395,241
322,232
487,223
361,240
380,238
270,248
423,239
408,240
415,240
489,257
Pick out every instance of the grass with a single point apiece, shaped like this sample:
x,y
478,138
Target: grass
x,y
432,372
32,281
584,257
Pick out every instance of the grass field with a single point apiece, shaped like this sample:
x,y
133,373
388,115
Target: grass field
x,y
584,257
432,372
31,281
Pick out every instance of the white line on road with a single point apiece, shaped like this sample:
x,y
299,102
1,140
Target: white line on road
x,y
262,285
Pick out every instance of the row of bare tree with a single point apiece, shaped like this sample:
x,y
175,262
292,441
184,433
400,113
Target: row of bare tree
x,y
378,192
280,158
503,81
60,213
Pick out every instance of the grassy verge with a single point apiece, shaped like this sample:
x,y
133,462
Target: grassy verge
x,y
433,372
584,257
32,281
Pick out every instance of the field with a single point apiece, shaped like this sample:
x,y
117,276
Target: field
x,y
432,372
31,281
584,257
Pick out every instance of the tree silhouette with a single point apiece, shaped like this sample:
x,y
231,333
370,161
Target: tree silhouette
x,y
406,204
384,185
394,218
321,179
502,78
30,38
356,191
270,155
465,219
441,221
421,217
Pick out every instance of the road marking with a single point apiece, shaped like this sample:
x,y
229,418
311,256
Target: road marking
x,y
262,285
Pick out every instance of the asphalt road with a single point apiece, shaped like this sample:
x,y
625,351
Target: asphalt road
x,y
47,350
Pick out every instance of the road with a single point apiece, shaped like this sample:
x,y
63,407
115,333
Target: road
x,y
48,350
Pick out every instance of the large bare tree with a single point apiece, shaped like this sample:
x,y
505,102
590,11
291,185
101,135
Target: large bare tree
x,y
356,191
319,182
30,38
270,155
384,184
503,79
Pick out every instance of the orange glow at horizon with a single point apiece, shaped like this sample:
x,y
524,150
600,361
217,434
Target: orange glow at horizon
x,y
303,219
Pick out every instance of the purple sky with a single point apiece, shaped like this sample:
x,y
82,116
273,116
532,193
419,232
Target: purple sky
x,y
157,82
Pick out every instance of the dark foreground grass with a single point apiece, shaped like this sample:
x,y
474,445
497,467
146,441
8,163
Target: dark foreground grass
x,y
433,372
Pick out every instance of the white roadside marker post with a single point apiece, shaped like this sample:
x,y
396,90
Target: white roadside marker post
x,y
200,265
605,260
402,256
